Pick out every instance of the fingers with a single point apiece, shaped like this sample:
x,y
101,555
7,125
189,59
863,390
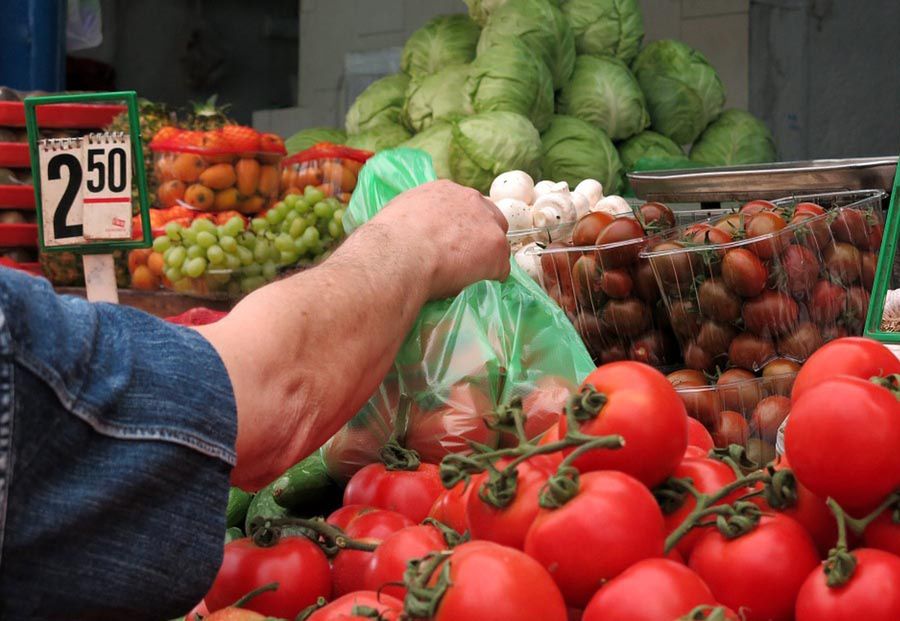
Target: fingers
x,y
496,214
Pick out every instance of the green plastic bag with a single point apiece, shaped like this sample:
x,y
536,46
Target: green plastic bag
x,y
464,356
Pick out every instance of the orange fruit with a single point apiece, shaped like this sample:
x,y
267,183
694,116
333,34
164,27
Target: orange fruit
x,y
251,205
226,199
156,263
170,192
338,176
218,176
293,190
187,167
143,278
164,170
352,165
248,170
287,177
311,175
325,189
224,216
138,257
344,197
199,197
268,181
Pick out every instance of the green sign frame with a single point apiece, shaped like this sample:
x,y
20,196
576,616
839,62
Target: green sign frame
x,y
139,174
885,268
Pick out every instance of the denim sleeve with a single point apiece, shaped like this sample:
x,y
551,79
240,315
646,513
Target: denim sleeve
x,y
117,436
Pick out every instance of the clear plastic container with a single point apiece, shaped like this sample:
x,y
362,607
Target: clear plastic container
x,y
782,293
234,168
330,168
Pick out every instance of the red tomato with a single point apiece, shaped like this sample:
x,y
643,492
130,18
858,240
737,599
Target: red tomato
x,y
508,525
758,573
743,272
651,590
246,566
490,581
768,415
566,540
389,561
448,429
856,356
859,421
695,452
542,407
698,436
812,513
883,533
450,507
701,402
352,607
349,567
409,492
643,407
198,612
736,392
233,614
343,516
730,427
708,476
872,593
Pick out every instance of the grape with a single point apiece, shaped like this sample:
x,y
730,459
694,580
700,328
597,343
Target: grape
x,y
338,215
300,246
291,200
259,225
220,230
274,253
247,240
269,270
254,269
215,254
175,256
334,229
234,226
174,274
284,242
251,283
195,267
289,217
274,216
228,243
162,243
206,239
312,194
297,228
203,224
302,207
310,235
232,262
261,250
173,231
322,210
245,255
194,252
289,257
189,236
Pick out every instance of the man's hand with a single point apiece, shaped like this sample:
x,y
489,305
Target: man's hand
x,y
305,353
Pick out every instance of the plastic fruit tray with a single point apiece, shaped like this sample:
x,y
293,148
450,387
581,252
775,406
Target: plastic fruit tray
x,y
18,235
14,155
16,197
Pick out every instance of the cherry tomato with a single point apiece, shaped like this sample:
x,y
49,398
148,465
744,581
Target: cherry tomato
x,y
408,492
685,318
869,262
766,224
854,356
872,593
810,208
875,237
736,392
733,224
656,216
754,207
616,283
674,265
827,302
801,342
701,402
588,326
246,566
768,415
716,301
844,262
448,429
853,418
856,308
643,407
565,540
849,226
780,374
811,230
625,318
715,338
621,229
695,357
710,236
589,227
349,567
751,352
771,312
556,266
450,507
354,607
586,277
389,561
613,352
729,428
760,451
645,286
698,436
883,533
800,267
759,573
651,348
743,272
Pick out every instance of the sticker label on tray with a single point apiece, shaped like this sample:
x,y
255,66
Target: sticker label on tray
x,y
85,189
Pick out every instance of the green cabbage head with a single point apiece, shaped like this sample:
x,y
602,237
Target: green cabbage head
x,y
736,137
604,93
480,10
435,141
648,145
306,138
508,76
487,144
381,103
379,138
445,40
606,27
434,97
683,91
573,150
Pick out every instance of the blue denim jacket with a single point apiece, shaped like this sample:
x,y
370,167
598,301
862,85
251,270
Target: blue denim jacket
x,y
117,436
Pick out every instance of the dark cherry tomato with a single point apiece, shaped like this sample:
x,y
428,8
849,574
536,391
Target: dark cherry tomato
x,y
650,348
810,208
869,262
801,342
757,206
616,283
780,374
626,318
772,312
800,267
645,286
695,357
737,391
715,337
768,224
730,427
677,267
656,216
768,415
743,272
613,353
857,306
733,224
826,302
849,226
589,227
685,318
700,401
586,279
844,262
616,233
717,302
760,451
832,331
588,326
751,352
876,234
811,230
557,267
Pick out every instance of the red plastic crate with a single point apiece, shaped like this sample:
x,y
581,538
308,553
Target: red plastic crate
x,y
16,197
32,268
21,235
60,116
14,155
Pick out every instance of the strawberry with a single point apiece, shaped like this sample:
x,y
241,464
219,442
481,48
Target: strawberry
x,y
272,143
241,138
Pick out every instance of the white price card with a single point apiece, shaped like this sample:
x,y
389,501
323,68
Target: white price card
x,y
85,189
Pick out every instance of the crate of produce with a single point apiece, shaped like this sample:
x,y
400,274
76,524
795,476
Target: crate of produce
x,y
775,279
13,154
232,168
84,116
330,168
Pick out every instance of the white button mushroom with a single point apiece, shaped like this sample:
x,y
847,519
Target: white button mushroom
x,y
529,261
581,204
546,216
513,184
613,205
591,189
550,187
516,212
561,202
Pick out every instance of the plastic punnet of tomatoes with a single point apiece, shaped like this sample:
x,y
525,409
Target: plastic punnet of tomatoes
x,y
330,168
772,280
234,168
464,357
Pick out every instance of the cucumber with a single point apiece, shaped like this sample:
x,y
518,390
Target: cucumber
x,y
238,503
263,505
305,489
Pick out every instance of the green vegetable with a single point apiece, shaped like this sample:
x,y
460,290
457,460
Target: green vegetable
x,y
306,138
438,96
233,533
736,137
379,138
604,93
541,26
606,27
574,151
435,141
380,104
508,77
647,144
683,91
444,41
487,144
263,505
480,10
238,503
306,487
